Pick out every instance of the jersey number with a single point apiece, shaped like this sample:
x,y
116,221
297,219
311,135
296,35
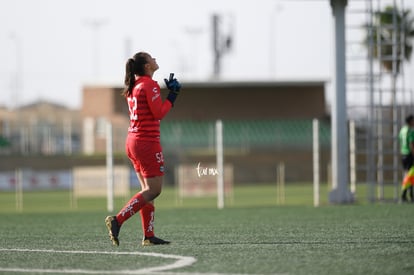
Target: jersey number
x,y
132,105
159,157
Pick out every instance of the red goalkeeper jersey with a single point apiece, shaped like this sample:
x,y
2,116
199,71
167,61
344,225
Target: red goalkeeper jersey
x,y
146,109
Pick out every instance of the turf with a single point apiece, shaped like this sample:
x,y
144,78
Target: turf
x,y
243,196
269,239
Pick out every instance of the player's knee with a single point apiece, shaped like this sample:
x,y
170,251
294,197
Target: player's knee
x,y
154,186
154,192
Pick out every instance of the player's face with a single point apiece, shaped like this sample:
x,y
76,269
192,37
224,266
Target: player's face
x,y
152,62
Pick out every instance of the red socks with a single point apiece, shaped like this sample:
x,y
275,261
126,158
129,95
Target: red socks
x,y
147,220
146,210
133,206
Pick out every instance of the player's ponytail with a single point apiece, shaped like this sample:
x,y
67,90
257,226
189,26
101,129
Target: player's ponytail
x,y
134,66
129,77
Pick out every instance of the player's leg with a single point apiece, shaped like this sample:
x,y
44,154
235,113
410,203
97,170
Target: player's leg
x,y
408,181
151,188
149,165
154,187
134,205
114,223
404,188
403,194
406,162
410,163
151,178
153,173
133,150
141,181
147,212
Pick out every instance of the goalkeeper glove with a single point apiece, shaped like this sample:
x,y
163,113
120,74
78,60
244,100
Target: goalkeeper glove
x,y
174,86
172,83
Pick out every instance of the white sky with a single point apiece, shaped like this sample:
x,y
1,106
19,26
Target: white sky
x,y
51,42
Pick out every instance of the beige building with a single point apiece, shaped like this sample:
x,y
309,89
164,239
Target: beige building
x,y
41,128
102,105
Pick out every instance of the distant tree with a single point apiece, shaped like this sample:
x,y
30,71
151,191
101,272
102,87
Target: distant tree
x,y
386,24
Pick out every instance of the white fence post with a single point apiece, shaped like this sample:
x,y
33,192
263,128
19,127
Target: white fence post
x,y
220,176
316,181
19,189
352,156
109,168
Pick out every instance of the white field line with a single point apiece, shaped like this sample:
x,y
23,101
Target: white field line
x,y
182,261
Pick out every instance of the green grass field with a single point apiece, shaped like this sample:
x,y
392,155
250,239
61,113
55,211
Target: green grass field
x,y
253,235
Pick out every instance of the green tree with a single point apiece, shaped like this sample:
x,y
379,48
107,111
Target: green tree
x,y
386,24
389,40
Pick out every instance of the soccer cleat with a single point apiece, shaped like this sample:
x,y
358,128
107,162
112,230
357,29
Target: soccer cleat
x,y
148,241
113,228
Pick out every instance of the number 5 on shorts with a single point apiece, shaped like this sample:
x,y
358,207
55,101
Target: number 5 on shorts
x,y
160,157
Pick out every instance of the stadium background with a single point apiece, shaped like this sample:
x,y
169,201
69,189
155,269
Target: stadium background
x,y
272,130
265,123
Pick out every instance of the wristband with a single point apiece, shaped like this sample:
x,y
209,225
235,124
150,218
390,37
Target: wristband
x,y
172,97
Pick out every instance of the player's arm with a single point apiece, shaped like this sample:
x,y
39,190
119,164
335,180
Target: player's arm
x,y
174,87
158,108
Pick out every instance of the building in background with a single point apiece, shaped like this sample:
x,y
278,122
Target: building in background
x,y
203,102
268,122
102,105
40,128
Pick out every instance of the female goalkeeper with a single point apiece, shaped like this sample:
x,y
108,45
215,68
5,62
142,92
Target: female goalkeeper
x,y
143,147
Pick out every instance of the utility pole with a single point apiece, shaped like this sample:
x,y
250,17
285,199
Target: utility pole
x,y
222,44
17,80
95,25
194,33
273,31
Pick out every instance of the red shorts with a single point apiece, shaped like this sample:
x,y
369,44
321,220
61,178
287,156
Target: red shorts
x,y
146,156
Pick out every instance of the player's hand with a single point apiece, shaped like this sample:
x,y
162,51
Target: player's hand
x,y
175,86
172,84
168,81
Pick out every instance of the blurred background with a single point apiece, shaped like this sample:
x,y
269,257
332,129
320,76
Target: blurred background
x,y
265,69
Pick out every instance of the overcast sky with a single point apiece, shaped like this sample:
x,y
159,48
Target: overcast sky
x,y
57,46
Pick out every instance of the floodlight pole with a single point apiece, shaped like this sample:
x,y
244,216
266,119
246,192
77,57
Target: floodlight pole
x,y
340,188
216,48
273,31
95,25
221,45
17,81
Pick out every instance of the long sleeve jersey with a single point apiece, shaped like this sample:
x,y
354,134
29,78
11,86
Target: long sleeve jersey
x,y
146,109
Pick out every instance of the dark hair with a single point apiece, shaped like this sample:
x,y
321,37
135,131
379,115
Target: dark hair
x,y
134,66
409,119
